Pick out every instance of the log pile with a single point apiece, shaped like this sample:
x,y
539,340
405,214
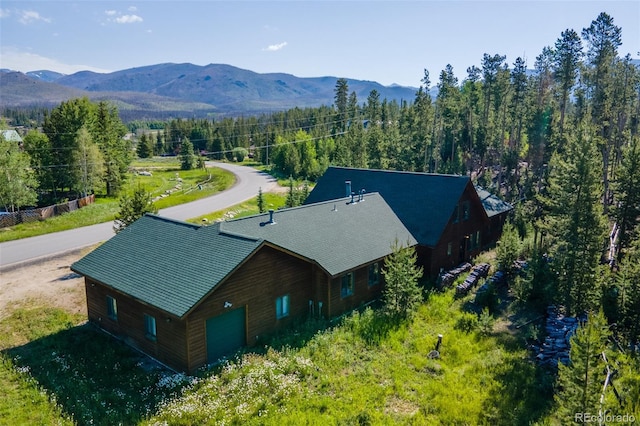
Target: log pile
x,y
556,345
479,271
447,278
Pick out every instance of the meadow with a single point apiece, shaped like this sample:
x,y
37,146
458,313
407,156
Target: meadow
x,y
359,369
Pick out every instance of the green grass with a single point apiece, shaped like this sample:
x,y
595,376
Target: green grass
x,y
164,180
361,369
367,371
57,370
247,208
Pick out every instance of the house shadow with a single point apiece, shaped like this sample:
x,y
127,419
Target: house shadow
x,y
92,377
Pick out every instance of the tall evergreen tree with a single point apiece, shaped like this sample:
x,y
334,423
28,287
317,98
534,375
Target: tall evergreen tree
x,y
566,58
576,222
341,96
580,382
627,196
628,286
108,132
187,158
603,39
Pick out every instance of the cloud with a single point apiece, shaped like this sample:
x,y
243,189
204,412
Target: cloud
x,y
275,47
27,17
18,60
117,16
128,19
4,13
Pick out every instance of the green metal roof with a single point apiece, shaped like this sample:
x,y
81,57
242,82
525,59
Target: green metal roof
x,y
491,203
424,202
338,235
166,263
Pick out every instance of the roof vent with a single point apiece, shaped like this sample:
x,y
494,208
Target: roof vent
x,y
361,195
271,220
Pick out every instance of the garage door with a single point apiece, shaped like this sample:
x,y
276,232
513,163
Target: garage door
x,y
225,334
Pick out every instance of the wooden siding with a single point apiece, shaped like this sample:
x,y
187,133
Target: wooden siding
x,y
267,275
459,233
169,346
362,292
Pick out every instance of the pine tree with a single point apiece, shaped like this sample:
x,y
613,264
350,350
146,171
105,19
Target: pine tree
x,y
576,222
133,207
508,249
260,201
581,381
628,285
627,194
401,294
187,159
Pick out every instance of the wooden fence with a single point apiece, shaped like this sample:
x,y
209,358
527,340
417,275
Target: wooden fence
x,y
33,215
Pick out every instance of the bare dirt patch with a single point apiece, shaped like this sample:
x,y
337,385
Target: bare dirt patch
x,y
50,281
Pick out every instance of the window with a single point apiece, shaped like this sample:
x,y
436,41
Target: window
x,y
477,239
465,210
449,249
347,285
150,327
374,274
112,308
455,217
282,306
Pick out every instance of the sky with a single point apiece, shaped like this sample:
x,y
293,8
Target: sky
x,y
390,42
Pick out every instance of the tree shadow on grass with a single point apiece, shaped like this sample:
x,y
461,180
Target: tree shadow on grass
x,y
525,389
94,378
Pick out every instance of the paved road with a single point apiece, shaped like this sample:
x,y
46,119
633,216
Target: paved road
x,y
248,181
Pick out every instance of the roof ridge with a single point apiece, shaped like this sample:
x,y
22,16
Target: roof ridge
x,y
406,172
300,207
171,220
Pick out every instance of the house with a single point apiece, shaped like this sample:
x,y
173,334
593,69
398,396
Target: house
x,y
451,219
11,136
187,295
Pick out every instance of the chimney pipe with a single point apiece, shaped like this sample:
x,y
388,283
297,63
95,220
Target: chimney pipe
x,y
271,216
347,184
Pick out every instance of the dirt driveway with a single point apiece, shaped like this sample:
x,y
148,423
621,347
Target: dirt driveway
x,y
49,282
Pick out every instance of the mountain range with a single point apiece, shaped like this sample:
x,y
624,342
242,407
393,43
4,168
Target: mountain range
x,y
185,90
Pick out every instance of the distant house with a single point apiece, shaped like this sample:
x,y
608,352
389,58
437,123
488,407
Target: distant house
x,y
187,295
11,136
451,219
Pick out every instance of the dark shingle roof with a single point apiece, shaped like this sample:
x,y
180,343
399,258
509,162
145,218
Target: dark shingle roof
x,y
172,264
166,263
335,234
424,202
492,204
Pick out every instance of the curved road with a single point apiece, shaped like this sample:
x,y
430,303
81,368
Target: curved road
x,y
248,181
